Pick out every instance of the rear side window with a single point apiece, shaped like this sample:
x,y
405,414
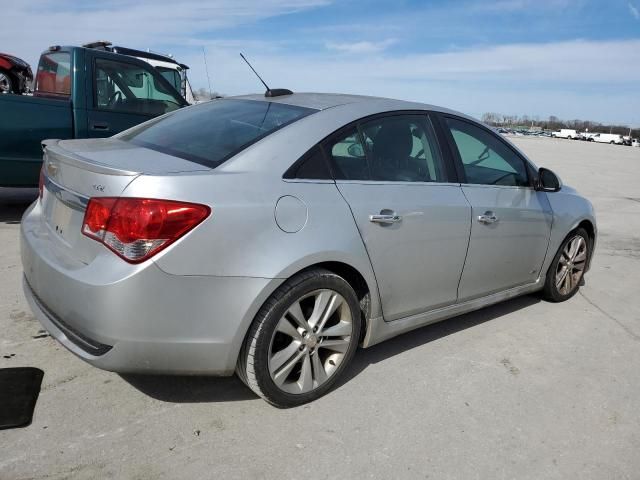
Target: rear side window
x,y
398,148
312,166
54,75
213,132
348,157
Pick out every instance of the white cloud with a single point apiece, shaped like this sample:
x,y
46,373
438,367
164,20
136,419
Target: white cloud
x,y
577,79
361,47
573,79
634,11
518,5
30,26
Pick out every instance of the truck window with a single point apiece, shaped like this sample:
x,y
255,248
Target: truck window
x,y
172,76
54,75
130,88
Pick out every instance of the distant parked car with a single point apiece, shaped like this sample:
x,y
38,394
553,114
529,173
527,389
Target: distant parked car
x,y
565,133
612,138
635,142
273,236
15,74
587,136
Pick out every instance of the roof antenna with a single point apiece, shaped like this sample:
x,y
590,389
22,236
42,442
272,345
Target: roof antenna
x,y
276,92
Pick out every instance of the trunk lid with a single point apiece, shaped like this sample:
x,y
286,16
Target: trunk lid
x,y
76,170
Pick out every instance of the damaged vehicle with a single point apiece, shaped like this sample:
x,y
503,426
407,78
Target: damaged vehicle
x,y
15,75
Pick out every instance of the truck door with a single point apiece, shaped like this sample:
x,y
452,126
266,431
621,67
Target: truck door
x,y
125,92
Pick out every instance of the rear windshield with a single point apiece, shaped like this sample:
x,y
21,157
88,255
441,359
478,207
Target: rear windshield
x,y
215,131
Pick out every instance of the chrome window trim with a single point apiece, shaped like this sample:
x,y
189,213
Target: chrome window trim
x,y
391,182
484,185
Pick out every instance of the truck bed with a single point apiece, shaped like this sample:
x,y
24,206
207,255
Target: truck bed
x,y
24,122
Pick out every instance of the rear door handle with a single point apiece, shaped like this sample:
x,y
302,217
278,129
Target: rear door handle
x,y
385,218
100,126
488,217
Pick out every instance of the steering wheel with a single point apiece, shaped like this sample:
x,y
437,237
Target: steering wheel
x,y
116,97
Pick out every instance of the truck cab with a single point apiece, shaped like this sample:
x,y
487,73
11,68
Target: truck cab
x,y
78,93
173,71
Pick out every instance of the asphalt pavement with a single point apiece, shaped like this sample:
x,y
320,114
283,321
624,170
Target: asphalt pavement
x,y
525,389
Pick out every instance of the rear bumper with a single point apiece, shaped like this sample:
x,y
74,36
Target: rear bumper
x,y
137,318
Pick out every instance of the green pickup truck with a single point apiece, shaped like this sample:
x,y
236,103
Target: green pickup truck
x,y
78,93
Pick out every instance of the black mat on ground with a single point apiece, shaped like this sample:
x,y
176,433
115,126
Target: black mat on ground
x,y
19,390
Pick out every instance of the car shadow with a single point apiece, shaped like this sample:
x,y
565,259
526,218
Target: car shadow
x,y
185,389
190,389
424,335
13,203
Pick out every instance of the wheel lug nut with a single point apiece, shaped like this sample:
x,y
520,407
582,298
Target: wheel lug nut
x,y
301,347
315,329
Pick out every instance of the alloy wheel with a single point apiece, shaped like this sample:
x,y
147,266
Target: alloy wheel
x,y
310,341
5,83
571,265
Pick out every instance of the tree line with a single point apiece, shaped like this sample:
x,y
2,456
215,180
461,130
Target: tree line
x,y
555,123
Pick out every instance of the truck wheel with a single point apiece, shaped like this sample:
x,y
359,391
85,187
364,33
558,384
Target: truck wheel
x,y
6,82
611,142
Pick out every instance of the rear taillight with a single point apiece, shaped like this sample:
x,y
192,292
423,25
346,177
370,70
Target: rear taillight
x,y
138,228
41,181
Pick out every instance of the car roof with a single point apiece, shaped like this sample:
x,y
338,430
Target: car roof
x,y
340,109
323,101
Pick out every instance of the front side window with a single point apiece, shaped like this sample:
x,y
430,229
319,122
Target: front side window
x,y
485,158
212,132
399,148
125,87
54,75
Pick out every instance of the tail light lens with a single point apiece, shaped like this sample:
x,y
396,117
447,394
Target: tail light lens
x,y
138,228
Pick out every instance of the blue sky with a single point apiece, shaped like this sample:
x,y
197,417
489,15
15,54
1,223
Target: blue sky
x,y
569,58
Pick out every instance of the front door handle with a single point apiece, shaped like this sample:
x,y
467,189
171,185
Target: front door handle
x,y
488,217
99,126
385,218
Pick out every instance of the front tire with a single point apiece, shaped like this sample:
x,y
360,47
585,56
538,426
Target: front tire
x,y
302,339
568,266
7,82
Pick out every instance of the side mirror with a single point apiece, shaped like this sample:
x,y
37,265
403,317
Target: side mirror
x,y
548,181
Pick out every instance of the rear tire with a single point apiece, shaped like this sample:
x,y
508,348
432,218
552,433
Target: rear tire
x,y
302,339
568,266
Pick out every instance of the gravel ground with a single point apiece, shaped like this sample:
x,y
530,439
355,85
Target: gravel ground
x,y
524,389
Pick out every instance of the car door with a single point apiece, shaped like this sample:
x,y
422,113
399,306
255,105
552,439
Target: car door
x,y
413,219
511,221
126,93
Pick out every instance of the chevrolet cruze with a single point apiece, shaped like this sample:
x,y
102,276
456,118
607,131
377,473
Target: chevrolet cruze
x,y
273,235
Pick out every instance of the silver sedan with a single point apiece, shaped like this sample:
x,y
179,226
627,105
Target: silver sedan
x,y
272,236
